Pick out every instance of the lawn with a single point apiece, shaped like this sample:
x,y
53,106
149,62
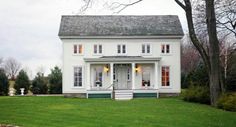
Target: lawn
x,y
74,112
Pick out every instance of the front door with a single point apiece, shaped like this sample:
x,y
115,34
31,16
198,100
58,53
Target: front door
x,y
122,77
121,72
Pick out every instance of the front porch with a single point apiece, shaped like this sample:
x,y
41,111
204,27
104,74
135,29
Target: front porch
x,y
114,77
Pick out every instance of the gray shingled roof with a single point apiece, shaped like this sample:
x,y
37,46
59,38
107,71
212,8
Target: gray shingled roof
x,y
160,25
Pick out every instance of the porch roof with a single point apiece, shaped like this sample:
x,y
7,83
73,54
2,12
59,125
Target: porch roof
x,y
129,59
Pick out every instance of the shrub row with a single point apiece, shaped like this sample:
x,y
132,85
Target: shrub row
x,y
196,93
227,102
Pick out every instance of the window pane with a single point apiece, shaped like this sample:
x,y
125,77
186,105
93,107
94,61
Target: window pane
x,y
163,83
167,48
118,49
128,74
167,83
124,48
75,49
98,79
162,48
165,76
100,49
114,73
95,49
143,48
148,48
77,76
80,49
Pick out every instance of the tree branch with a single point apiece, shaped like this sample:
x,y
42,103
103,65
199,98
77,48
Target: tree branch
x,y
192,34
122,6
180,4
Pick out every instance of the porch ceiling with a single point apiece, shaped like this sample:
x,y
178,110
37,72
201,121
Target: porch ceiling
x,y
129,59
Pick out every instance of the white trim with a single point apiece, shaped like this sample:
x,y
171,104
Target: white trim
x,y
78,87
170,49
97,54
118,37
111,74
122,60
170,84
145,49
133,75
156,75
121,49
77,48
88,78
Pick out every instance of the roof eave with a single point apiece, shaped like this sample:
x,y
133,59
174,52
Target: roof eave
x,y
128,37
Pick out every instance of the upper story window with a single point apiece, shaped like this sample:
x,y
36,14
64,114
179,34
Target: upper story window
x,y
146,49
165,73
165,48
78,49
121,49
78,76
97,49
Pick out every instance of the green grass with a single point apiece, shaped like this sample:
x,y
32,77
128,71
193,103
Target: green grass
x,y
74,112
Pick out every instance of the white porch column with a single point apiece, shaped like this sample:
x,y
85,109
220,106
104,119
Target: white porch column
x,y
88,77
156,75
133,75
111,74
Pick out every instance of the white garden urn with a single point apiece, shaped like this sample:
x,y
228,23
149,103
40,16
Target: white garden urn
x,y
22,91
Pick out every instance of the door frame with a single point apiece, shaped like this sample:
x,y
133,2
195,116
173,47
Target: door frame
x,y
126,83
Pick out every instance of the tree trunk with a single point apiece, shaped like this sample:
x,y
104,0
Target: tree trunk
x,y
211,60
213,52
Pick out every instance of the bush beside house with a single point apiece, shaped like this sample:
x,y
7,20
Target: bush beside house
x,y
227,102
196,93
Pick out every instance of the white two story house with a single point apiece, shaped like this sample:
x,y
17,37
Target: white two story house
x,y
121,57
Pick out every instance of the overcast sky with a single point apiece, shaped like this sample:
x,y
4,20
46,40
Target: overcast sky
x,y
29,28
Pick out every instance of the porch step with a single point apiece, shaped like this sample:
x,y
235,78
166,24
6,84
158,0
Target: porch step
x,y
123,94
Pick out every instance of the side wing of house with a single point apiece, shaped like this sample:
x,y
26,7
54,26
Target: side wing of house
x,y
107,64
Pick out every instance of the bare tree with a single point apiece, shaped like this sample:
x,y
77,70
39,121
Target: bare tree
x,y
225,11
12,67
116,6
190,58
226,15
211,60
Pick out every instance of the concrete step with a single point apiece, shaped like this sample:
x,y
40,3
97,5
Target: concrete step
x,y
123,94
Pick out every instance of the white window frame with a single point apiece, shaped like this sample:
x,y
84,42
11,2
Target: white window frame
x,y
170,85
95,75
82,77
77,49
165,50
145,49
98,53
121,49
